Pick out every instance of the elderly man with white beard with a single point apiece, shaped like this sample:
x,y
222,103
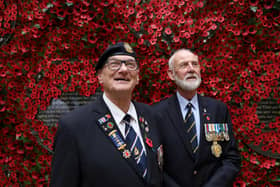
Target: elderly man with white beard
x,y
198,140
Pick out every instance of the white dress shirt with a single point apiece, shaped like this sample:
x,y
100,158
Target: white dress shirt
x,y
118,116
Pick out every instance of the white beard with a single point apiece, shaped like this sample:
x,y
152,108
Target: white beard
x,y
188,85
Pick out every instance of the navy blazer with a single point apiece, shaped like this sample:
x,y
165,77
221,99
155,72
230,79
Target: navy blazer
x,y
179,163
85,156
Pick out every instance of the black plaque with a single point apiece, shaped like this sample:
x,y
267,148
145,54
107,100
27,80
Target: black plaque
x,y
66,102
267,111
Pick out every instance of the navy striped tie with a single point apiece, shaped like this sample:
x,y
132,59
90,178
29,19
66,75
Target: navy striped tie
x,y
191,128
135,146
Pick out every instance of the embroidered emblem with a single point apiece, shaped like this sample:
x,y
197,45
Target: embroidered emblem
x,y
111,131
104,119
136,151
110,125
117,140
126,153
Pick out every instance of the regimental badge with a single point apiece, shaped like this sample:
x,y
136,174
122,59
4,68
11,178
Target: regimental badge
x,y
216,132
128,48
216,149
144,125
104,119
110,129
126,153
136,151
147,129
110,125
117,140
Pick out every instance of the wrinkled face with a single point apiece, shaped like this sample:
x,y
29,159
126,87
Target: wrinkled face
x,y
185,71
119,74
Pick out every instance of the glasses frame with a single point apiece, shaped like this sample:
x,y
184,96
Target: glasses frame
x,y
187,65
112,62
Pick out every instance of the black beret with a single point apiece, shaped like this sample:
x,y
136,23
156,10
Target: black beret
x,y
121,48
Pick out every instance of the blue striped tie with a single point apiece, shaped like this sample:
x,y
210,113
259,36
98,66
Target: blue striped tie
x,y
191,128
135,146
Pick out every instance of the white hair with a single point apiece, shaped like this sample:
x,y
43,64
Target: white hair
x,y
170,61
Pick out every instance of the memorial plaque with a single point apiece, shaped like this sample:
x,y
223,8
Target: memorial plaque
x,y
65,103
267,111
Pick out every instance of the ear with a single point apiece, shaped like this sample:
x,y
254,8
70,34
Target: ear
x,y
137,79
99,76
170,74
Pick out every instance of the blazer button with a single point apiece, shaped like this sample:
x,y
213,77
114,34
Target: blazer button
x,y
194,172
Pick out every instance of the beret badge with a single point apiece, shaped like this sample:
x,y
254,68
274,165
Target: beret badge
x,y
128,48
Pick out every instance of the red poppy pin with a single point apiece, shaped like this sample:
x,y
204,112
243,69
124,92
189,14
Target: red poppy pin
x,y
149,142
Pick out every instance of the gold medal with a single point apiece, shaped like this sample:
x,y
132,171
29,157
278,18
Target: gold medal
x,y
216,149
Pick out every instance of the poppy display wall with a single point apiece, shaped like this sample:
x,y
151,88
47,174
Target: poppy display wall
x,y
50,47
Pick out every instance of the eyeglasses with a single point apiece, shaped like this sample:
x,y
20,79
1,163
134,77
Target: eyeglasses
x,y
115,65
185,65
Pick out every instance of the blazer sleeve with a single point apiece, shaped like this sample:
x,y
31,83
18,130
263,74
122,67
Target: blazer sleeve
x,y
226,173
167,180
65,163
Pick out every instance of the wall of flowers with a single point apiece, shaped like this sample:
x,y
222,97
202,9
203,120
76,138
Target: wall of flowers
x,y
49,47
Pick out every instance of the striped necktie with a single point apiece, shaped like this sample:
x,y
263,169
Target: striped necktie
x,y
191,128
135,146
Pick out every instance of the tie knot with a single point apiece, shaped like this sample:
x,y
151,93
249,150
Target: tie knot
x,y
127,118
189,105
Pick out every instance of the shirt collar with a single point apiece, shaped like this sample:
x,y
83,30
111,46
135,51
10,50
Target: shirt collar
x,y
183,101
117,113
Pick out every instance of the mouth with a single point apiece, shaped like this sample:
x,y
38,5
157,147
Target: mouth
x,y
121,79
191,78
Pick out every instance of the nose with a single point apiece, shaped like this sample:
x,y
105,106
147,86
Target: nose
x,y
123,66
190,67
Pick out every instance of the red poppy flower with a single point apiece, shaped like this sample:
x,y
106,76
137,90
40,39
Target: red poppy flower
x,y
149,142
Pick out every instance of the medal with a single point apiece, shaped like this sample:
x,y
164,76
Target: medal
x,y
216,149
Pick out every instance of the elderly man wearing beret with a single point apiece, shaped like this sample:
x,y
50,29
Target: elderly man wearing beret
x,y
112,141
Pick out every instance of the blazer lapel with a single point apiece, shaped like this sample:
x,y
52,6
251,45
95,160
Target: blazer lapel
x,y
147,139
175,115
205,116
108,126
